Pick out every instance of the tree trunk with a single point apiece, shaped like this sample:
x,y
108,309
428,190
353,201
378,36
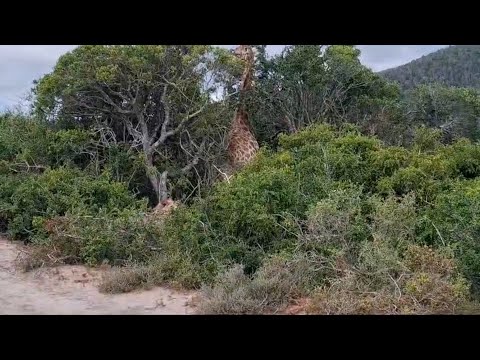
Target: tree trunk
x,y
162,186
157,179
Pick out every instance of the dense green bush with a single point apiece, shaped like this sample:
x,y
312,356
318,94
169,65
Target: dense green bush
x,y
29,146
464,159
391,275
454,221
8,185
119,237
340,207
336,225
423,281
55,192
337,193
70,148
262,210
23,143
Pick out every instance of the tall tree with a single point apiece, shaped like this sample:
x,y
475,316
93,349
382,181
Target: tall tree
x,y
454,110
152,97
311,83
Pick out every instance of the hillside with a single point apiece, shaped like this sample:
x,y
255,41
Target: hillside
x,y
453,66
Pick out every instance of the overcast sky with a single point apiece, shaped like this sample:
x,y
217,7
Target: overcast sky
x,y
21,64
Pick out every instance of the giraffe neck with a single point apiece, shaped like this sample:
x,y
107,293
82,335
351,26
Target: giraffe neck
x,y
241,119
242,143
247,77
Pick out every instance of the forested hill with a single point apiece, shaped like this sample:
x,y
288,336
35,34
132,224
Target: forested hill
x,y
457,65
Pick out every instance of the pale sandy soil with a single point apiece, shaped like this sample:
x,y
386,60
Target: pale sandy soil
x,y
73,290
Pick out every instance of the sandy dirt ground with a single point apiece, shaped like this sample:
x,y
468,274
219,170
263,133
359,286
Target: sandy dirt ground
x,y
66,290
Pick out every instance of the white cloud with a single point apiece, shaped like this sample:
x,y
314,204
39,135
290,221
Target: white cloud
x,y
21,64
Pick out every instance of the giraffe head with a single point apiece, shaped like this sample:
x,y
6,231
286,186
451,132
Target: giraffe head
x,y
165,206
245,53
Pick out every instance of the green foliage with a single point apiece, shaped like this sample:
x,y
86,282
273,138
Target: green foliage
x,y
23,143
453,221
113,67
70,148
386,161
280,279
189,249
58,191
394,220
336,224
261,210
464,159
428,284
344,196
307,73
114,236
426,139
28,145
153,100
8,185
453,110
426,173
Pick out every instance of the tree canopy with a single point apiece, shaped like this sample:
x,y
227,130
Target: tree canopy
x,y
155,98
310,83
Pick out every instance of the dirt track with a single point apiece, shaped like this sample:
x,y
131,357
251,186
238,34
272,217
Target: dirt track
x,y
73,290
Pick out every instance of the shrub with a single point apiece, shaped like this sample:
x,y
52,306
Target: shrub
x,y
70,148
463,159
55,192
386,161
119,236
23,141
8,184
336,223
394,219
427,139
262,208
334,190
427,283
279,280
314,134
126,279
454,220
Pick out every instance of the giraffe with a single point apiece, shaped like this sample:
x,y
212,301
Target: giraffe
x,y
242,144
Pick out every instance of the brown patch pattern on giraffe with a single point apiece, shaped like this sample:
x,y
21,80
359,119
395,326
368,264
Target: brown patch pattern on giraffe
x,y
242,145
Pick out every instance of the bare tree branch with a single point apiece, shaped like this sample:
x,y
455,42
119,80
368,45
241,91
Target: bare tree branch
x,y
107,99
167,134
195,159
166,109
